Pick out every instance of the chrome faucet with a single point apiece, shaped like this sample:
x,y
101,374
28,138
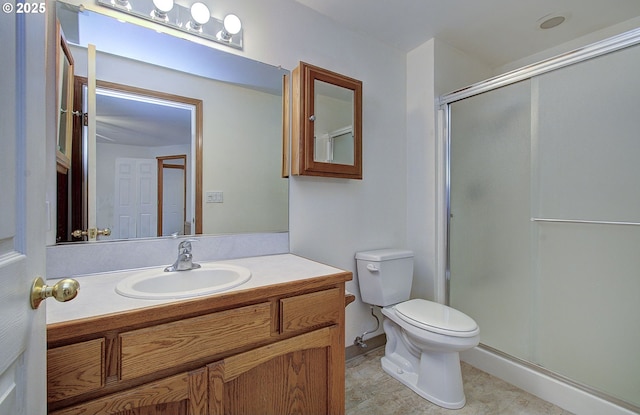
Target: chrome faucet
x,y
185,258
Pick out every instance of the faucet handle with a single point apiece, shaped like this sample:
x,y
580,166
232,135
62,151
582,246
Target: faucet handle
x,y
185,246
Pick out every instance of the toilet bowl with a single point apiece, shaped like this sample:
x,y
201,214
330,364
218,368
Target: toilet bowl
x,y
424,338
423,355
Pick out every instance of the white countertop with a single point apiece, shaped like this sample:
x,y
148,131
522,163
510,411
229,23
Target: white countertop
x,y
97,295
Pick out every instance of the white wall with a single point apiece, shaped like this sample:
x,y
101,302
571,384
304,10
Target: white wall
x,y
433,69
421,162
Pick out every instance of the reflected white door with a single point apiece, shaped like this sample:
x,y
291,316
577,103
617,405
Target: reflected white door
x,y
136,198
147,212
124,223
173,201
91,141
22,207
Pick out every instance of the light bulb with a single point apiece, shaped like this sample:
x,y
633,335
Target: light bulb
x,y
163,6
232,24
122,4
200,13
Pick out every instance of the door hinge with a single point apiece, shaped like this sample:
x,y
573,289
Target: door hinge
x,y
84,115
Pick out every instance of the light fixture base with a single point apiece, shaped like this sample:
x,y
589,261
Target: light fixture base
x,y
179,18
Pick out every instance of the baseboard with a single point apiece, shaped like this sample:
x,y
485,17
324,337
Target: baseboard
x,y
372,344
552,390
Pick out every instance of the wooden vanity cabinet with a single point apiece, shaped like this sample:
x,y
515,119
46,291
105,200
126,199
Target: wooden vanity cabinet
x,y
276,351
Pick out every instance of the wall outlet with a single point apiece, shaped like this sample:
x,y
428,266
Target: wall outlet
x,y
214,197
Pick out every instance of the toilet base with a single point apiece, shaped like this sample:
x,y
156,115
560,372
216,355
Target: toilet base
x,y
440,379
429,365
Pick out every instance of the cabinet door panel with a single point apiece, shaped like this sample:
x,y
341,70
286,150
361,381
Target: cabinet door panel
x,y
289,377
160,347
183,394
309,310
295,383
74,369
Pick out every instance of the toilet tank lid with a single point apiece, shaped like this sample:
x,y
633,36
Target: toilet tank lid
x,y
384,254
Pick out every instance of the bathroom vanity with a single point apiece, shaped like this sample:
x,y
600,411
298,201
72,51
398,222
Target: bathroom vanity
x,y
274,345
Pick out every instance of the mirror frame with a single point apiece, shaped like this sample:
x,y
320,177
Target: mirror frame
x,y
80,81
303,140
63,139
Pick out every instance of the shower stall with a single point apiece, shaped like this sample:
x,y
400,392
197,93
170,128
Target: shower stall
x,y
543,235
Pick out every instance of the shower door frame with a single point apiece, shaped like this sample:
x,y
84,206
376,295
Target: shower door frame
x,y
606,46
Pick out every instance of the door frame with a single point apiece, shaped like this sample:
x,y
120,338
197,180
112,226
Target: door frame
x,y
161,166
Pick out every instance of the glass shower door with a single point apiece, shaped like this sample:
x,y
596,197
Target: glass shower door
x,y
544,236
587,222
490,242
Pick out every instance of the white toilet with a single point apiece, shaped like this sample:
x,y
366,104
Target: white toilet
x,y
423,337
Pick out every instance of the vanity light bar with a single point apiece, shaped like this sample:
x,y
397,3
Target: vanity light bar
x,y
190,20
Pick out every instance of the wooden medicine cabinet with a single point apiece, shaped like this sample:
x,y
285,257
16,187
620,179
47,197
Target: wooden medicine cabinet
x,y
326,123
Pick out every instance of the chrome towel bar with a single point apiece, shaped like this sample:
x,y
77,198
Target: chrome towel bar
x,y
597,222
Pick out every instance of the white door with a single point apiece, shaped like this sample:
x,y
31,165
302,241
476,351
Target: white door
x,y
22,211
173,201
124,217
147,198
136,198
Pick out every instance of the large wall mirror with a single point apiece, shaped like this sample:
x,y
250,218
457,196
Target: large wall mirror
x,y
140,127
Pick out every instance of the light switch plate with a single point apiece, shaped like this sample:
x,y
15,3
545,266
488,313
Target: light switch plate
x,y
214,197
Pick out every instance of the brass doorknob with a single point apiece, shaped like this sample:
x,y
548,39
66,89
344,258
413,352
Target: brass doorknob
x,y
64,290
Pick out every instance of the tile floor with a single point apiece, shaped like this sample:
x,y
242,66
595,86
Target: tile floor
x,y
370,391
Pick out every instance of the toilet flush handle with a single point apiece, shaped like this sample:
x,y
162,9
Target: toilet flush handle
x,y
372,268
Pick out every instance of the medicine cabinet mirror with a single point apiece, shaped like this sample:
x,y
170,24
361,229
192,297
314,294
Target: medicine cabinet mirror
x,y
327,123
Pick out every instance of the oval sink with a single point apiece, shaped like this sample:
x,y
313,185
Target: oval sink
x,y
157,284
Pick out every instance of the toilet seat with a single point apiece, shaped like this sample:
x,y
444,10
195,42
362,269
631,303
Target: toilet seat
x,y
437,318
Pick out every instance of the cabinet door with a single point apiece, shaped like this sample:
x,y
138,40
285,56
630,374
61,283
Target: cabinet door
x,y
300,375
182,394
327,123
75,369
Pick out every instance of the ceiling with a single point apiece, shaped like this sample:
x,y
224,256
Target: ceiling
x,y
132,120
495,31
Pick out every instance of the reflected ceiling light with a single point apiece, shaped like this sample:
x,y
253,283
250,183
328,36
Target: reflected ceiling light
x,y
200,15
231,26
195,20
160,9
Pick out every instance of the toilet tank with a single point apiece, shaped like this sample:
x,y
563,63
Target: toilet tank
x,y
385,276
